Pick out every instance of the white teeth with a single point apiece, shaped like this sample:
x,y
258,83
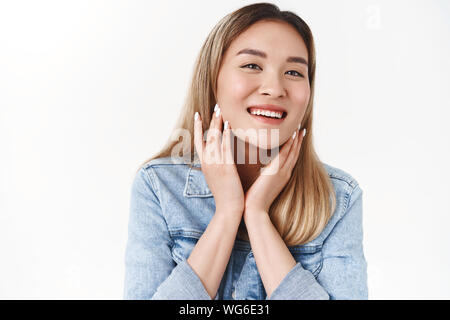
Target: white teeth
x,y
272,114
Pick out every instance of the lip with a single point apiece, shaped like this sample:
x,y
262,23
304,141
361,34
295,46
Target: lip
x,y
273,121
270,107
266,120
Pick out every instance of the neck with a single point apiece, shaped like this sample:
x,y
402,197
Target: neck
x,y
248,161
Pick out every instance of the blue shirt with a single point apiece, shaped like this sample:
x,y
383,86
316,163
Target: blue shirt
x,y
170,208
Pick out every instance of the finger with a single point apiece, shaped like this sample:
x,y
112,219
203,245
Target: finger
x,y
226,144
291,153
218,118
215,125
295,150
198,137
286,149
302,134
278,161
214,138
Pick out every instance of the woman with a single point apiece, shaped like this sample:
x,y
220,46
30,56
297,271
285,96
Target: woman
x,y
283,226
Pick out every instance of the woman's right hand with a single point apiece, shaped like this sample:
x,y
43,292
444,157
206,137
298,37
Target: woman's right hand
x,y
218,165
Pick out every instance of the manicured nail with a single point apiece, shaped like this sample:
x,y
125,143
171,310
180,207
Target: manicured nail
x,y
304,132
217,112
216,107
295,133
225,126
196,116
299,126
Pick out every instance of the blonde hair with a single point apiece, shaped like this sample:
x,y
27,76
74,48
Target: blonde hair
x,y
302,209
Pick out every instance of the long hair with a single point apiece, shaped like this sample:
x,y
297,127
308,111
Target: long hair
x,y
306,203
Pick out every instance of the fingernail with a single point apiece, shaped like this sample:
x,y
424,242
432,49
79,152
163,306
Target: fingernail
x,y
225,126
217,112
216,107
295,133
299,126
304,132
196,116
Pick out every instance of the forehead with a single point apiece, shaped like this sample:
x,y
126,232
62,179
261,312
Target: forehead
x,y
278,39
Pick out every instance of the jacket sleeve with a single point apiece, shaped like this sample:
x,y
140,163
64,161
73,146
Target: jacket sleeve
x,y
344,270
150,271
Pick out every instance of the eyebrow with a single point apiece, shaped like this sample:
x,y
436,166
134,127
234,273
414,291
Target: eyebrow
x,y
264,55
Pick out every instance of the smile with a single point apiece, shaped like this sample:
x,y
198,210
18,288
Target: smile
x,y
267,116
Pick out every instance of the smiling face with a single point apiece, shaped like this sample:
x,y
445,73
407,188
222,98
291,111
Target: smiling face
x,y
264,65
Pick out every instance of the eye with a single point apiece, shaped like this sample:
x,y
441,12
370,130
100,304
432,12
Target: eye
x,y
252,64
299,74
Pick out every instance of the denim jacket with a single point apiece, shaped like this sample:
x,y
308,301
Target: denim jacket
x,y
170,208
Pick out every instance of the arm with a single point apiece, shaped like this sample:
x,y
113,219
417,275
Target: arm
x,y
210,255
344,270
343,274
275,263
272,257
150,271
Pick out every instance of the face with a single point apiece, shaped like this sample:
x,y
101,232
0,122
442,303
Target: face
x,y
246,80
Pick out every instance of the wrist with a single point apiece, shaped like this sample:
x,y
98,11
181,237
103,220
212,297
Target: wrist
x,y
227,208
228,215
252,214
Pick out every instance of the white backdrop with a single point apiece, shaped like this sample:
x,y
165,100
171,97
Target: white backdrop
x,y
90,89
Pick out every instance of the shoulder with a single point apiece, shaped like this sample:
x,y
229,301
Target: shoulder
x,y
346,187
347,192
166,172
339,175
164,162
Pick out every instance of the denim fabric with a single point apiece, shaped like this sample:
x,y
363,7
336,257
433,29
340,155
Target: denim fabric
x,y
170,208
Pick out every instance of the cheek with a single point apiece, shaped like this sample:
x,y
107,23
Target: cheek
x,y
301,96
237,89
233,92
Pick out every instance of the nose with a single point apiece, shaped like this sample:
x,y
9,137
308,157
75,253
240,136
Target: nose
x,y
272,85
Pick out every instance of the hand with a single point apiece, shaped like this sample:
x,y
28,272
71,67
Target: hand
x,y
273,177
218,165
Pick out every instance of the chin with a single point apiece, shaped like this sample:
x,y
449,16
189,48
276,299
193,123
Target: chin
x,y
266,141
263,142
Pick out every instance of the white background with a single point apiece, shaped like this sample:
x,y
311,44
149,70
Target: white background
x,y
90,89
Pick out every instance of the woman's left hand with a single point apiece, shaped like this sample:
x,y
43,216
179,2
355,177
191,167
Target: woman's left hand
x,y
273,177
